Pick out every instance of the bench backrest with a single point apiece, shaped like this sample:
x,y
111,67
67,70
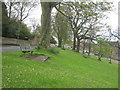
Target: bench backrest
x,y
25,47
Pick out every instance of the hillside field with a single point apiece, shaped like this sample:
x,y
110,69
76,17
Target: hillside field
x,y
67,69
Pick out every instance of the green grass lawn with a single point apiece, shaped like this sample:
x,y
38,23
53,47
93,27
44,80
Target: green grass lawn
x,y
68,69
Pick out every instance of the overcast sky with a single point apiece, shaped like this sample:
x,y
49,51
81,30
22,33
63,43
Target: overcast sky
x,y
112,20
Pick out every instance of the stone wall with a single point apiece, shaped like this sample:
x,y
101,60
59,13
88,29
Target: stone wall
x,y
13,41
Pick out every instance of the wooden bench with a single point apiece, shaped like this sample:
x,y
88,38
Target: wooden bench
x,y
26,49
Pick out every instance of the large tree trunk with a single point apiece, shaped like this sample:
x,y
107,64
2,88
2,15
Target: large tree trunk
x,y
59,42
110,61
78,45
84,47
89,48
46,24
74,42
99,58
63,47
118,50
110,58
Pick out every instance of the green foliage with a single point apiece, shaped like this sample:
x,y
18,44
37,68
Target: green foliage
x,y
25,32
53,50
66,70
62,28
85,17
102,49
10,27
38,48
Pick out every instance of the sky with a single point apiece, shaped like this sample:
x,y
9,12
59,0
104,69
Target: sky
x,y
112,15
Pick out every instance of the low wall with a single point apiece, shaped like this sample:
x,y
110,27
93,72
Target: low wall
x,y
13,41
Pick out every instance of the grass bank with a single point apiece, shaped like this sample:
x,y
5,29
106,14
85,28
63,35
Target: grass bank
x,y
67,69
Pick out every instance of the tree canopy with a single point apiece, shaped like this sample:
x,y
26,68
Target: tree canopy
x,y
10,26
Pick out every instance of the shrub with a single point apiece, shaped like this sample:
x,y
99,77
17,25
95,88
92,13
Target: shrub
x,y
53,50
38,48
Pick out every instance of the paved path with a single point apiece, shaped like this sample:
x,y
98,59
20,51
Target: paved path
x,y
116,61
8,48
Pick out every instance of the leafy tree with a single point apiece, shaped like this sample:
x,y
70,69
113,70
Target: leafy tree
x,y
10,26
80,17
25,32
116,35
102,49
61,29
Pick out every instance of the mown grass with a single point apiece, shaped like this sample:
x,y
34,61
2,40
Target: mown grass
x,y
68,69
